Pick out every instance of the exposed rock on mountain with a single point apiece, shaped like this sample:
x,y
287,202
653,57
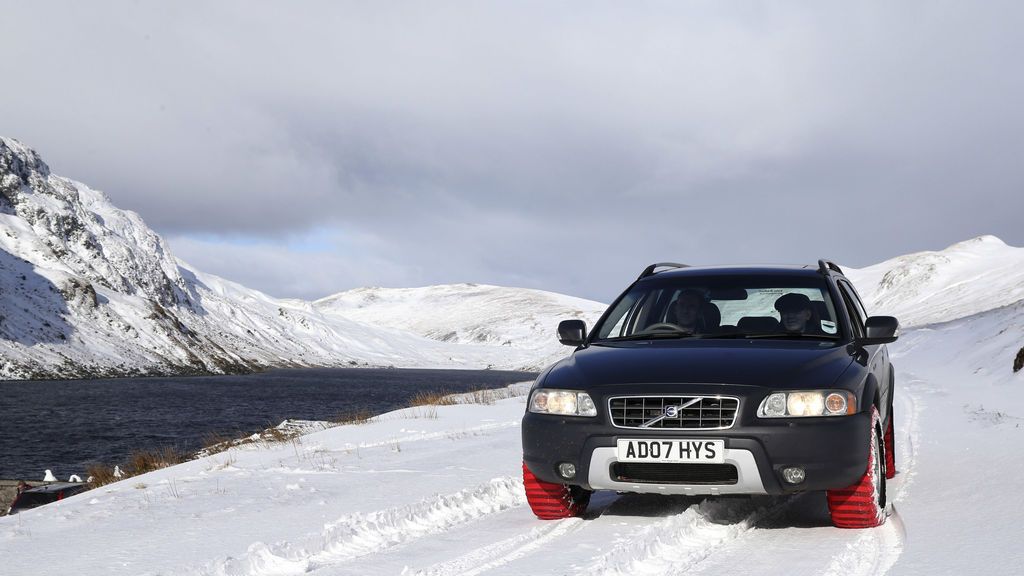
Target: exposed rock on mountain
x,y
79,227
87,289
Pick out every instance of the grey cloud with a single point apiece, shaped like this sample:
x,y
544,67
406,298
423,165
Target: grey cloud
x,y
560,146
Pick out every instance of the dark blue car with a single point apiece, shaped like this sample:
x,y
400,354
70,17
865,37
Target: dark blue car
x,y
719,380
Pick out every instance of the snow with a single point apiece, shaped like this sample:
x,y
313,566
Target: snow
x,y
471,314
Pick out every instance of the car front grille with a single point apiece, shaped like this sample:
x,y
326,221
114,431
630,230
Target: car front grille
x,y
691,412
658,473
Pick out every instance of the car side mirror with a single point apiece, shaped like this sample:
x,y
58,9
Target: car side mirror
x,y
572,332
880,330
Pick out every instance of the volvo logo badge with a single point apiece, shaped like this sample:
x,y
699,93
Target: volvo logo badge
x,y
671,411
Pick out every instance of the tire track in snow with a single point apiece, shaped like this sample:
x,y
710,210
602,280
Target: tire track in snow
x,y
875,551
909,435
502,552
678,543
358,535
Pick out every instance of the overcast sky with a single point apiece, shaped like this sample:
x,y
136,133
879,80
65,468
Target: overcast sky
x,y
303,148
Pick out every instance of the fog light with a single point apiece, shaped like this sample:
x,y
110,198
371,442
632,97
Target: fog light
x,y
793,474
567,470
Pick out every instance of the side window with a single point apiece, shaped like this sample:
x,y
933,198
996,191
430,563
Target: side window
x,y
856,300
623,311
638,315
614,330
853,308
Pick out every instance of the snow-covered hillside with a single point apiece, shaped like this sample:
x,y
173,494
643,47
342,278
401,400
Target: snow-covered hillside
x,y
966,278
467,314
87,289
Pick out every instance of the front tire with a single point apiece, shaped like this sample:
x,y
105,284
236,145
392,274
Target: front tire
x,y
862,505
551,501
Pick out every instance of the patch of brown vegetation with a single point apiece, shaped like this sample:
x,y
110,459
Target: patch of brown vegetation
x,y
439,398
138,463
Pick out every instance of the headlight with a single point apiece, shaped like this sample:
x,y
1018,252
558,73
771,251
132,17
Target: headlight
x,y
564,402
807,403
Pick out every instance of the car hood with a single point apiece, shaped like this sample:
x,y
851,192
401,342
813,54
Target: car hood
x,y
775,364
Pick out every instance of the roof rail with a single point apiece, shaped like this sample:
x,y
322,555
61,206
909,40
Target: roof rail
x,y
825,265
650,269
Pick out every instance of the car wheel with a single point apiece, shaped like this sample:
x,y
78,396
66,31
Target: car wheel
x,y
890,448
862,505
551,501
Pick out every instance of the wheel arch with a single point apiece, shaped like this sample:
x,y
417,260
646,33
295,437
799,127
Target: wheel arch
x,y
870,395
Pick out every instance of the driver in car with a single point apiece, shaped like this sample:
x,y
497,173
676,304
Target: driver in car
x,y
687,309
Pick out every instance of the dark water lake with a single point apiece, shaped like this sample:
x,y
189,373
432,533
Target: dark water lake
x,y
67,425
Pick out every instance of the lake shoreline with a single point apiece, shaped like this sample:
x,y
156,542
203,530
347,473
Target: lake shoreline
x,y
88,374
68,425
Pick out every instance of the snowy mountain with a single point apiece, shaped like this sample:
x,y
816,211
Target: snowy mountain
x,y
89,290
927,287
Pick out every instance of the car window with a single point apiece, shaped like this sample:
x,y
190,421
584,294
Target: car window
x,y
855,299
720,305
617,328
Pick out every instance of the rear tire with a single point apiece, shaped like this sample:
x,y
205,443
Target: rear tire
x,y
862,505
890,448
551,501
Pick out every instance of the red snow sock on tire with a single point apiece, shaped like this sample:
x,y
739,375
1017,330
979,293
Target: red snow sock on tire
x,y
552,501
890,449
861,505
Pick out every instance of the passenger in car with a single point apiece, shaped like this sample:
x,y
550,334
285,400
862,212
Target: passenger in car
x,y
796,314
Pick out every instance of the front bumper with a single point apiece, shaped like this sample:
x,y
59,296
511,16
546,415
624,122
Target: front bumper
x,y
832,450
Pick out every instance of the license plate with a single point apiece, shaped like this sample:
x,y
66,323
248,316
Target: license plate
x,y
693,451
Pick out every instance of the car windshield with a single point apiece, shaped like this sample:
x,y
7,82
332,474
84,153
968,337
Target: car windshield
x,y
731,306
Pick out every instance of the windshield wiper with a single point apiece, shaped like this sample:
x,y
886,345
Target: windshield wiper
x,y
651,336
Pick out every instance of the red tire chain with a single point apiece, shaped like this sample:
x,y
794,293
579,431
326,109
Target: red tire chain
x,y
551,501
890,448
857,506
